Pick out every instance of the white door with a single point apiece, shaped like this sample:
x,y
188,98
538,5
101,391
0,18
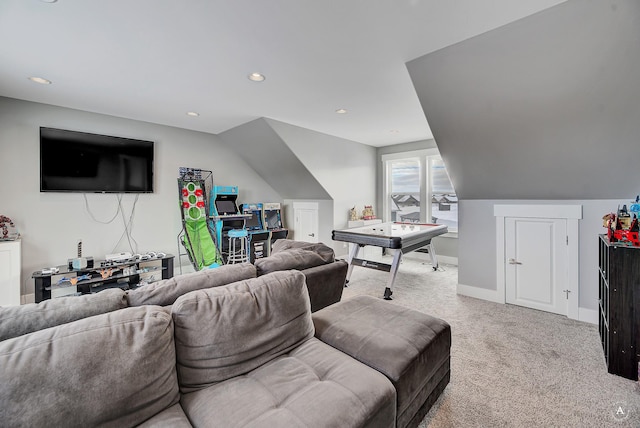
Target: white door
x,y
536,263
306,221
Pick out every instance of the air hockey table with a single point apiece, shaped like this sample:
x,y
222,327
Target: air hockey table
x,y
402,237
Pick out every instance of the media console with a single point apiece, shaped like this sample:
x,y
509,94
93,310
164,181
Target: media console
x,y
104,274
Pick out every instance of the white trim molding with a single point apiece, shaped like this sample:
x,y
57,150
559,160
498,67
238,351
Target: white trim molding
x,y
588,315
479,293
572,214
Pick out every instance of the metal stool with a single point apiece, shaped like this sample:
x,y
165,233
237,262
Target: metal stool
x,y
238,244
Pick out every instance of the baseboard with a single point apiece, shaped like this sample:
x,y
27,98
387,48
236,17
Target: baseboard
x,y
588,315
479,293
182,269
584,314
27,298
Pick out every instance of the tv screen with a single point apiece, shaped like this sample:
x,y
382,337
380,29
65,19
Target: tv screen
x,y
73,161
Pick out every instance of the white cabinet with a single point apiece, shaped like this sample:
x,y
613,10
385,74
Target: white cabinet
x,y
10,265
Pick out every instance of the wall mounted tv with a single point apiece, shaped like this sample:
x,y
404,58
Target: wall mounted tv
x,y
73,161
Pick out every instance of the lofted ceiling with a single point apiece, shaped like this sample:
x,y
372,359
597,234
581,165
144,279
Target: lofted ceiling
x,y
542,108
156,60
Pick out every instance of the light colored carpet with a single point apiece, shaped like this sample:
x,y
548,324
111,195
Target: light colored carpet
x,y
510,366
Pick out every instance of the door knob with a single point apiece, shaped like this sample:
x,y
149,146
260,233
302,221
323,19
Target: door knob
x,y
312,234
514,262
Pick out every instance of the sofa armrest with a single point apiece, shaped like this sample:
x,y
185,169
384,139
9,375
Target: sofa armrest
x,y
325,283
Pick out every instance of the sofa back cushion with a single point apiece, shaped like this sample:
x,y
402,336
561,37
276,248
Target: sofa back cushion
x,y
287,254
228,331
115,369
18,320
166,292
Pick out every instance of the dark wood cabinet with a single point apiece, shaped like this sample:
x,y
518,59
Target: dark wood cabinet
x,y
619,307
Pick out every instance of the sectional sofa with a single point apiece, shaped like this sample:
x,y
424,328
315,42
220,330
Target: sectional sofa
x,y
229,350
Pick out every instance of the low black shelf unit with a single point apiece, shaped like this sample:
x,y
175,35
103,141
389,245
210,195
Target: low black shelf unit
x,y
125,275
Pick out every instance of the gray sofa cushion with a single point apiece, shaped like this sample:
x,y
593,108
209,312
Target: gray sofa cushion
x,y
228,331
116,369
173,417
166,292
411,348
314,385
18,320
287,244
288,254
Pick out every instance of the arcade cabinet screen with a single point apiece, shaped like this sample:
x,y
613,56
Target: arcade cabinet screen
x,y
253,222
225,206
273,219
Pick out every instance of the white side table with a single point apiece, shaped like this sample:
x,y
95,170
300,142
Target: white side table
x,y
10,266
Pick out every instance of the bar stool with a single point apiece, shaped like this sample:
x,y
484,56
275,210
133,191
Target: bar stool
x,y
238,244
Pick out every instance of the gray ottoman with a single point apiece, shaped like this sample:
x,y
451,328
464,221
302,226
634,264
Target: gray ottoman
x,y
411,348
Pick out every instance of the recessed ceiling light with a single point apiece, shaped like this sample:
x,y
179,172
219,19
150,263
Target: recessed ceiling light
x,y
40,80
341,111
193,113
256,77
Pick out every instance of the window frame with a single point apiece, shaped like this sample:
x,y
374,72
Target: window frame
x,y
424,157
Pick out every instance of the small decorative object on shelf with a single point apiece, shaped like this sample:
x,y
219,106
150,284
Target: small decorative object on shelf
x,y
367,213
106,273
353,214
8,230
622,227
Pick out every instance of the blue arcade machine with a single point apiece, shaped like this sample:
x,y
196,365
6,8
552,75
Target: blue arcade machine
x,y
225,215
259,236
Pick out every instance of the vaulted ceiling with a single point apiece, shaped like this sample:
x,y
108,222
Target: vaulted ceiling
x,y
155,61
547,107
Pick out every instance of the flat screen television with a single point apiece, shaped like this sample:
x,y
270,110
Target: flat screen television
x,y
72,161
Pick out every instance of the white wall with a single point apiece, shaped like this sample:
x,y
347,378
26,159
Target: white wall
x,y
346,169
51,223
545,107
477,238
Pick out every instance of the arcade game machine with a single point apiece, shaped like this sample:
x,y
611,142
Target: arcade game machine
x,y
225,215
259,236
273,222
196,236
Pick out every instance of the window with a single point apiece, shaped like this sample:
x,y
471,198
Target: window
x,y
418,189
444,202
405,190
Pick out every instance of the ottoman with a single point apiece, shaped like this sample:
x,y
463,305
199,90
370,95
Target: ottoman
x,y
411,348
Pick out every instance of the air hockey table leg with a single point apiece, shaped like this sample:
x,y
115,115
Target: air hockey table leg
x,y
392,277
432,254
352,255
